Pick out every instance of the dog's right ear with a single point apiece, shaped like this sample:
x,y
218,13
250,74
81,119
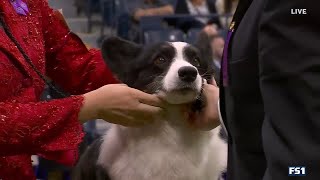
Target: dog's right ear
x,y
119,54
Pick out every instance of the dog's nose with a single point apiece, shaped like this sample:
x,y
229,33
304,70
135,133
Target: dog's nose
x,y
188,74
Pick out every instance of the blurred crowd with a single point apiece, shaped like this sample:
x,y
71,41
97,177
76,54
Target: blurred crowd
x,y
200,22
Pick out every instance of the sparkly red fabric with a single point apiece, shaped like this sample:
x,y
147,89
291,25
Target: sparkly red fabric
x,y
27,126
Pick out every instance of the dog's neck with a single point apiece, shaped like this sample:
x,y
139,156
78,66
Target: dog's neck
x,y
169,131
178,119
174,120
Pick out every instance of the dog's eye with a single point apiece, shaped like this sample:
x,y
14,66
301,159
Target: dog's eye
x,y
196,61
160,60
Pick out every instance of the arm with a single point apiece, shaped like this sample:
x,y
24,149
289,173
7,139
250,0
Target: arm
x,y
69,63
163,10
40,128
289,77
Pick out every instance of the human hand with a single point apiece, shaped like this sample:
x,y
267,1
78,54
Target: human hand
x,y
122,105
208,118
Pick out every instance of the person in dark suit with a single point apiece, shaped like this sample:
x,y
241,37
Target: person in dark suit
x,y
270,99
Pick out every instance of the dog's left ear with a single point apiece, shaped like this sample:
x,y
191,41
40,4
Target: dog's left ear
x,y
203,44
119,55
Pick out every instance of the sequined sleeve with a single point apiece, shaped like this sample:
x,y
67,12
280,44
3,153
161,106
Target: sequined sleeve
x,y
69,62
50,129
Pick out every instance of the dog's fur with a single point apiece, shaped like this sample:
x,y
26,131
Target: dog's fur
x,y
167,149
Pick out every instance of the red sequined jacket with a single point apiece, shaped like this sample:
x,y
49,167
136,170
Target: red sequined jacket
x,y
27,126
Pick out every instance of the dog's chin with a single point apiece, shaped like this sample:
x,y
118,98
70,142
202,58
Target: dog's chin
x,y
179,96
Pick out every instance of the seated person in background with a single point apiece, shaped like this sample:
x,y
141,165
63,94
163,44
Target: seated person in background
x,y
140,8
211,43
196,7
217,45
226,7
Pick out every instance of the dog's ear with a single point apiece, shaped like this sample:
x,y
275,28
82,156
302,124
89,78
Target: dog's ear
x,y
119,54
204,47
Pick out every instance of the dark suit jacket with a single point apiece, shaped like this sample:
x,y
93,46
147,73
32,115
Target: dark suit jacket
x,y
271,105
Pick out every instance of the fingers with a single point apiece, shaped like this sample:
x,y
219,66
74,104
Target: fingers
x,y
209,88
214,82
149,99
150,110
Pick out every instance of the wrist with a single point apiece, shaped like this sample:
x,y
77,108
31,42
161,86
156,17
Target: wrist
x,y
89,110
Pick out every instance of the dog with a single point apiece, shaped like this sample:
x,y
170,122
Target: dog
x,y
167,149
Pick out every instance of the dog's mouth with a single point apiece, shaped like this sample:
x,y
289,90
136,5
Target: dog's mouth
x,y
184,90
181,94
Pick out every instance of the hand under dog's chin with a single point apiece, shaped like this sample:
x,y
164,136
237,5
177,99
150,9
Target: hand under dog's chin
x,y
179,97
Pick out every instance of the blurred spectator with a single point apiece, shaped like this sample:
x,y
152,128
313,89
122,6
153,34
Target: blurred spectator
x,y
196,7
217,45
140,8
211,43
226,7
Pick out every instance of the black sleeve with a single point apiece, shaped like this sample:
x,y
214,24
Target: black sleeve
x,y
289,55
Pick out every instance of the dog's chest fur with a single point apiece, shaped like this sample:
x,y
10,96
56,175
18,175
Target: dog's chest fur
x,y
164,150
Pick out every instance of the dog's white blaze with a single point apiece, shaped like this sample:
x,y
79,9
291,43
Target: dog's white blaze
x,y
171,80
179,48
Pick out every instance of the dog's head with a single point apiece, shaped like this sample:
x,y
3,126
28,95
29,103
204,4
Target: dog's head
x,y
176,70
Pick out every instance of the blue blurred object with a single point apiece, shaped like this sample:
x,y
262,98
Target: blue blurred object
x,y
223,33
150,23
91,7
163,35
116,16
192,35
107,11
91,131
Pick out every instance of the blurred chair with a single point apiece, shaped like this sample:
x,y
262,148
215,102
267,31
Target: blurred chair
x,y
91,6
163,35
192,35
107,11
151,23
115,15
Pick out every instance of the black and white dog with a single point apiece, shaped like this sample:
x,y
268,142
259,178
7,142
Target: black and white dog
x,y
168,149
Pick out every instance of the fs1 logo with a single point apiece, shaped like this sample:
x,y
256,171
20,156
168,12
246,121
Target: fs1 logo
x,y
297,171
